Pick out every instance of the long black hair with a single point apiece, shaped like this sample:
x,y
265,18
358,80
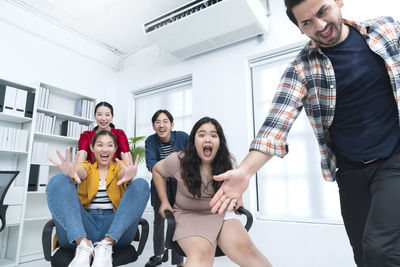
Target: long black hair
x,y
191,162
104,104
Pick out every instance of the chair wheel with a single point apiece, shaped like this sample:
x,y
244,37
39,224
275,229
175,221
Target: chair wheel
x,y
165,256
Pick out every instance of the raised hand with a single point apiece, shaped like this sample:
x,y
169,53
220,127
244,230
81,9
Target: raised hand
x,y
235,183
66,166
128,169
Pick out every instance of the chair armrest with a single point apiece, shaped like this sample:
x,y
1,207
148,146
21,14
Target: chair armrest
x,y
3,210
249,217
170,229
144,235
46,239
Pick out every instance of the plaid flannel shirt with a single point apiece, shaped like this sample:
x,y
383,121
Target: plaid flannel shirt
x,y
309,82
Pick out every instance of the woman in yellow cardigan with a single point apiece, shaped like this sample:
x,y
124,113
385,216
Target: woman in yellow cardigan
x,y
106,207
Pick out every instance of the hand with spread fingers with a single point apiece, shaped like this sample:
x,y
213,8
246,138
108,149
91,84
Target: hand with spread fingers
x,y
67,166
236,181
128,170
234,185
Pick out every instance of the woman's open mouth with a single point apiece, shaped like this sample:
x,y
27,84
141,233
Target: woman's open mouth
x,y
207,151
104,157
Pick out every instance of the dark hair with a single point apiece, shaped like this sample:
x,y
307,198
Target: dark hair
x,y
290,4
104,132
158,112
190,162
104,104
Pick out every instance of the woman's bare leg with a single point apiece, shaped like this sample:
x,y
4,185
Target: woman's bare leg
x,y
199,251
237,245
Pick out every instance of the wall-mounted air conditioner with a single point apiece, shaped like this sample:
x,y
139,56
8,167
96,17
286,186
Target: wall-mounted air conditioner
x,y
203,25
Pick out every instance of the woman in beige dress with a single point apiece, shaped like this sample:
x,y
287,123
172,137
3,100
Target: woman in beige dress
x,y
198,231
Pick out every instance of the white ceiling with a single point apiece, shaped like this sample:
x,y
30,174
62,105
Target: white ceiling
x,y
113,25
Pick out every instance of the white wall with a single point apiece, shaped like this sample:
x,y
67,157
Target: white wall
x,y
221,89
25,58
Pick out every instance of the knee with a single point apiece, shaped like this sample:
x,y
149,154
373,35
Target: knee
x,y
246,249
140,185
201,256
57,182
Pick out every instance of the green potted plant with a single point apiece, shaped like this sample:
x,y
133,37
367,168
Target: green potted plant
x,y
135,149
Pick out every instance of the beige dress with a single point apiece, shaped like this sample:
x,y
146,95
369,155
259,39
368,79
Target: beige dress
x,y
192,215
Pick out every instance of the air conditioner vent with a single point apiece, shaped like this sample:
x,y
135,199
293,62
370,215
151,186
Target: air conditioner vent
x,y
179,13
203,25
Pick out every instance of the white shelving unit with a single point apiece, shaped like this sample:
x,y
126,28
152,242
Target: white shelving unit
x,y
61,103
54,137
27,213
11,159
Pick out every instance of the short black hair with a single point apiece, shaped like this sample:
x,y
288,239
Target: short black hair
x,y
290,4
158,112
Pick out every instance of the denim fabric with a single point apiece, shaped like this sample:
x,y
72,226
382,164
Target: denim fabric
x,y
73,221
153,146
153,151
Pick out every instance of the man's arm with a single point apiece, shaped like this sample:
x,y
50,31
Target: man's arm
x,y
151,153
398,31
270,140
236,181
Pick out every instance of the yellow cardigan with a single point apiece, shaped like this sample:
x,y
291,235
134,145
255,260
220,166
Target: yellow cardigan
x,y
88,188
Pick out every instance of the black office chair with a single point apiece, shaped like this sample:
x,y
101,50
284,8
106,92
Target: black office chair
x,y
121,255
169,244
6,179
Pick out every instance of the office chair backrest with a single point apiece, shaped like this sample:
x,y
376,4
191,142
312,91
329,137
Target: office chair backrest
x,y
6,179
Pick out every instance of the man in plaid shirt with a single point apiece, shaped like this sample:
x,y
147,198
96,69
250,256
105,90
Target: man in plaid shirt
x,y
347,79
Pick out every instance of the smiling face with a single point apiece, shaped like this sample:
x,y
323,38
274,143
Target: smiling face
x,y
103,117
321,20
163,127
206,142
104,149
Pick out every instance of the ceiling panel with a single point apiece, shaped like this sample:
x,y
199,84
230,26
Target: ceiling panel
x,y
117,24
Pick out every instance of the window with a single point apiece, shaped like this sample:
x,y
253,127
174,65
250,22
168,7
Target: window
x,y
174,96
292,188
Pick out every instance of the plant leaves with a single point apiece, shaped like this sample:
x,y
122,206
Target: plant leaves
x,y
137,150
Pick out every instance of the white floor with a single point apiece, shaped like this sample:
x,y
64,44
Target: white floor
x,y
147,253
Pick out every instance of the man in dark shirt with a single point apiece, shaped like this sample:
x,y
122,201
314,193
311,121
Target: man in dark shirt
x,y
159,146
347,78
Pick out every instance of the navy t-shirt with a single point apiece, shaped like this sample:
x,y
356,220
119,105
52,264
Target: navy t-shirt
x,y
365,124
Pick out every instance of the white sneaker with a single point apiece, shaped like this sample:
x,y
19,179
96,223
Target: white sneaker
x,y
83,255
102,254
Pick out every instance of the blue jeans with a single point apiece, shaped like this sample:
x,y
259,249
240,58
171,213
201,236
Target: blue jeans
x,y
73,221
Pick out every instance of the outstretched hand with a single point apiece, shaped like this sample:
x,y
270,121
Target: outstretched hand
x,y
234,185
67,166
129,169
